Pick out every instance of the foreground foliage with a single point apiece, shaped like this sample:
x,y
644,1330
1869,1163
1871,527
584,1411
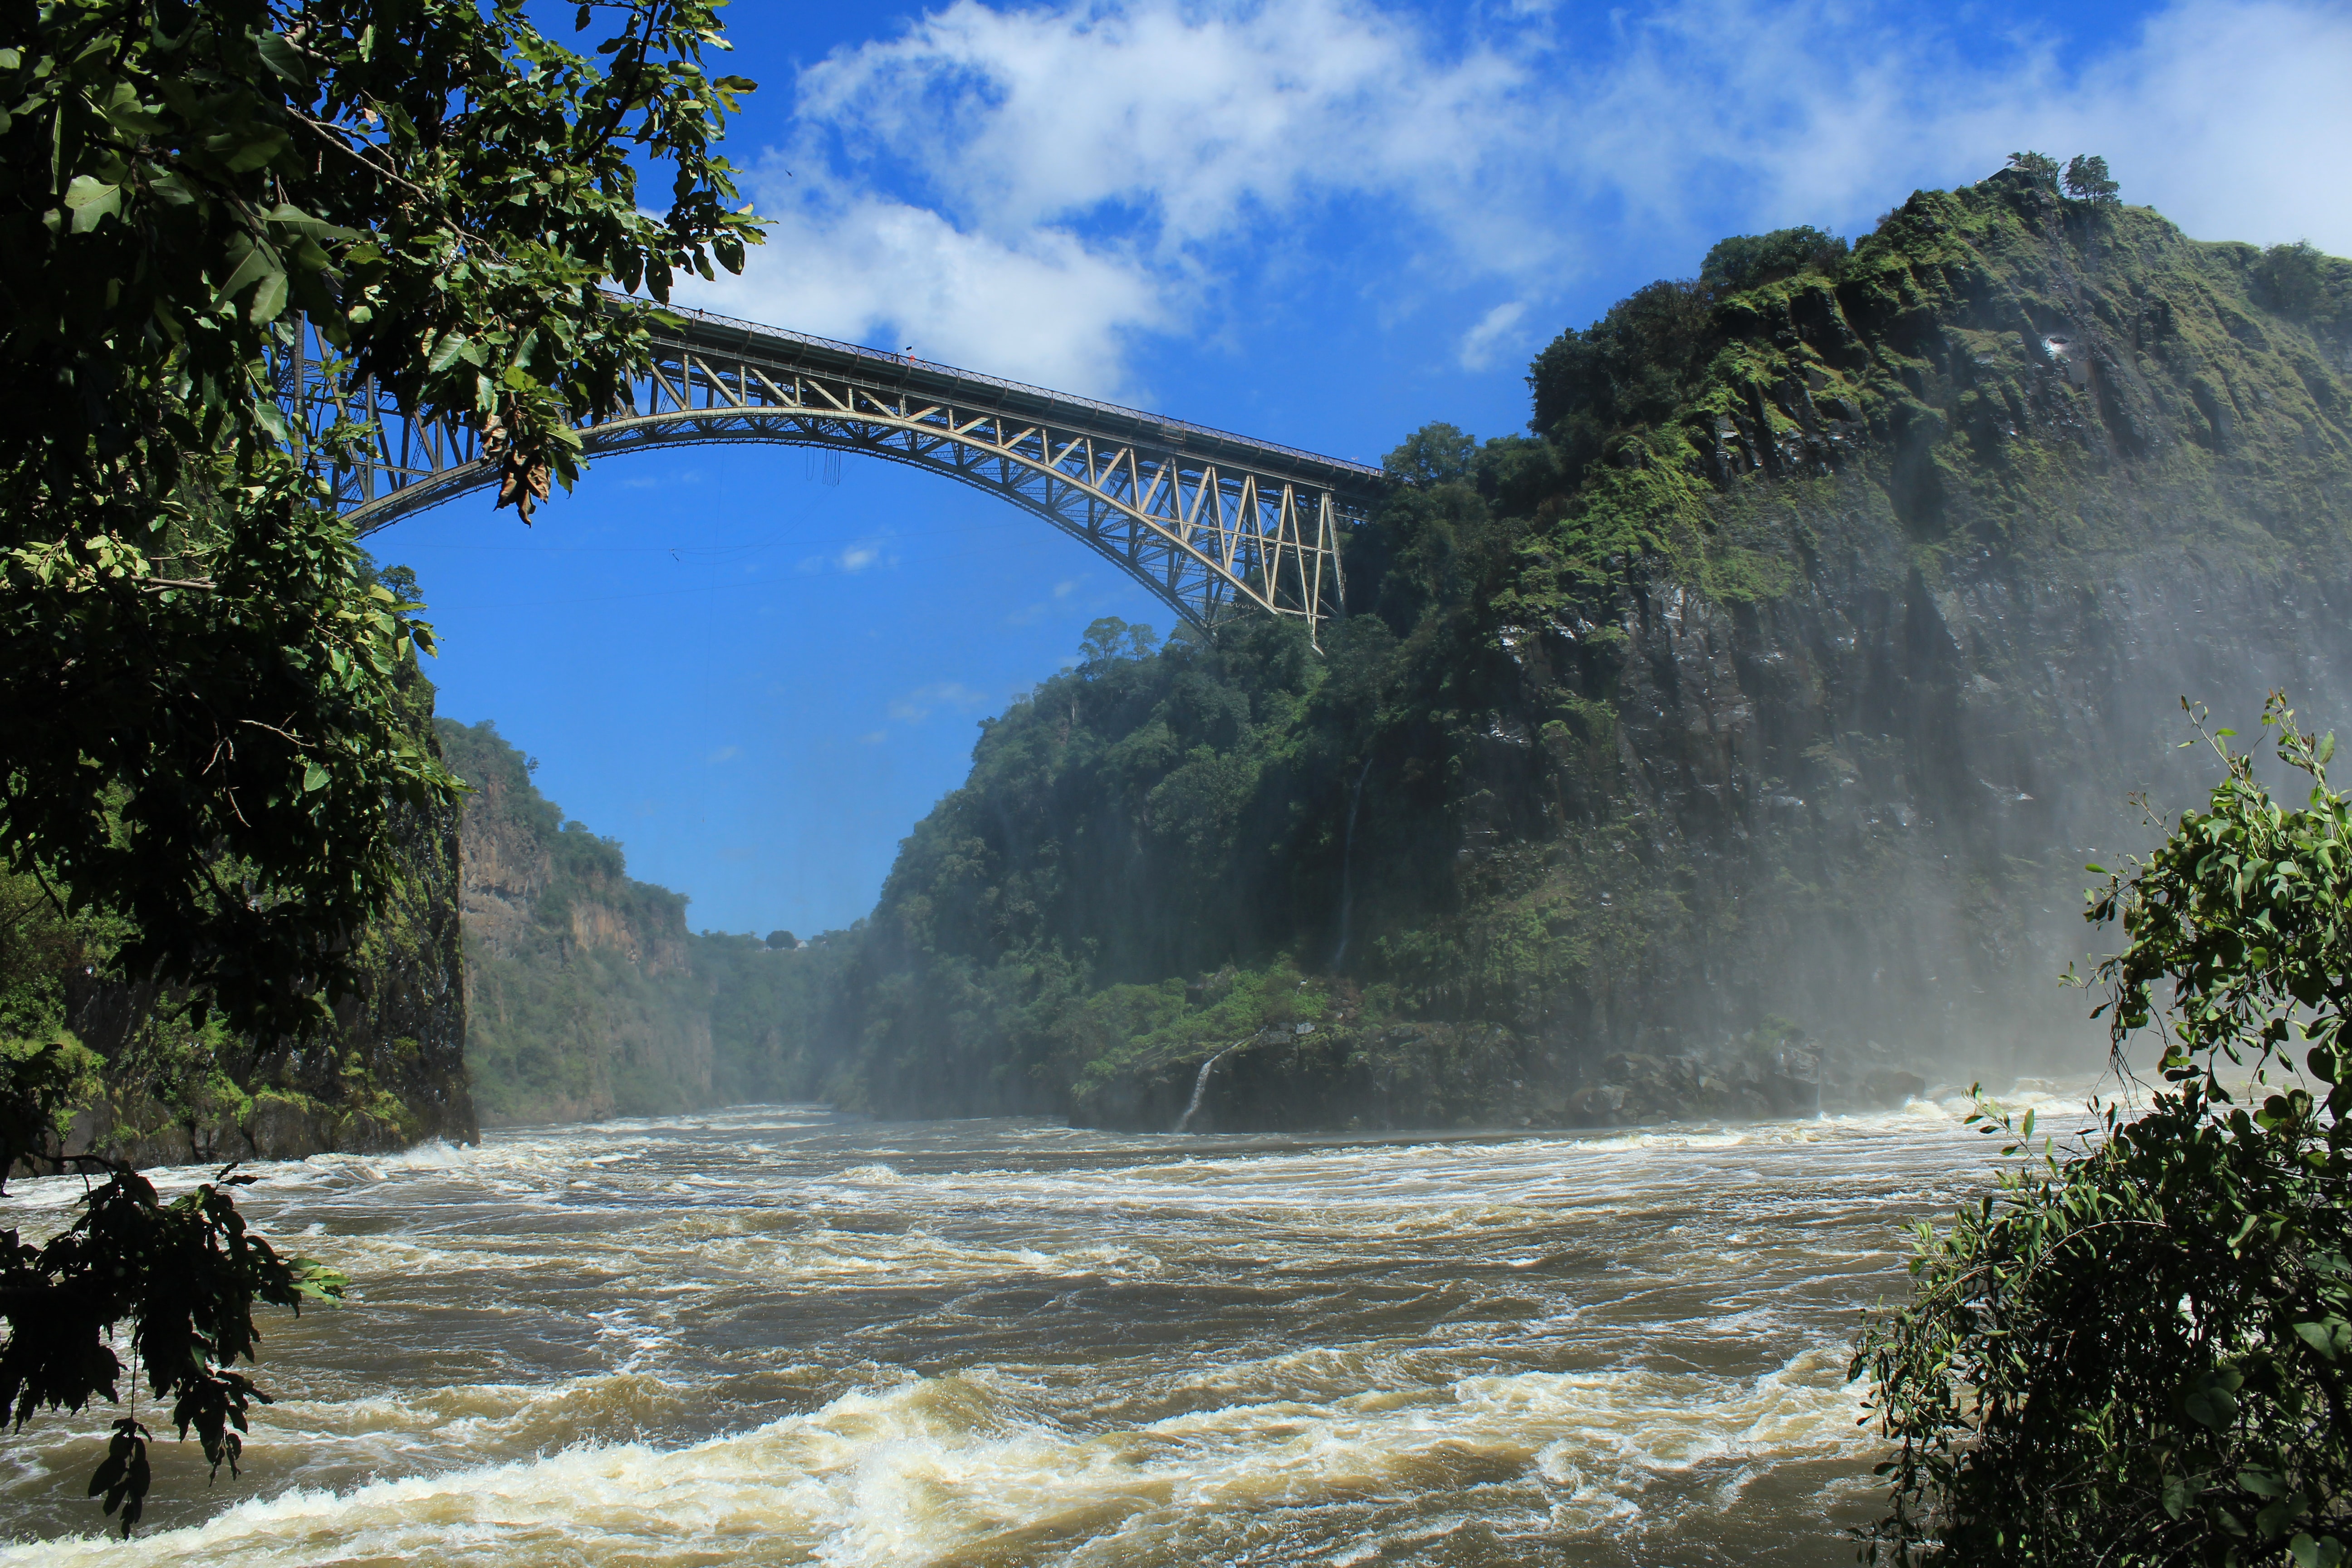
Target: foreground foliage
x,y
199,720
185,1276
205,736
2137,1354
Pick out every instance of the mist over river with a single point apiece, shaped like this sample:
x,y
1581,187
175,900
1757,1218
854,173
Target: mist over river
x,y
776,1335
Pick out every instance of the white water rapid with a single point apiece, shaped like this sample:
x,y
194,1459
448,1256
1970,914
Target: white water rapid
x,y
772,1335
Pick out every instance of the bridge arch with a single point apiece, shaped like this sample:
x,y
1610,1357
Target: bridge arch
x,y
1211,523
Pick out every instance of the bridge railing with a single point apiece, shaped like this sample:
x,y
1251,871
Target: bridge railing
x,y
1142,418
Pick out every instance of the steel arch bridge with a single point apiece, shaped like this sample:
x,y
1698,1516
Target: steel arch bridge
x,y
1211,522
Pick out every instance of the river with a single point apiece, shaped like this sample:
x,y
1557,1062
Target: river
x,y
773,1334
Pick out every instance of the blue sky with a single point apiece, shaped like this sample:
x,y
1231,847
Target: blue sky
x,y
1317,222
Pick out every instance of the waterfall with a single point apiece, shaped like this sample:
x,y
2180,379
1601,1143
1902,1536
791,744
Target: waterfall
x,y
1200,1084
1348,863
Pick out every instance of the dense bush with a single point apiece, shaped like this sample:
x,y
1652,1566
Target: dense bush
x,y
2136,1352
1744,260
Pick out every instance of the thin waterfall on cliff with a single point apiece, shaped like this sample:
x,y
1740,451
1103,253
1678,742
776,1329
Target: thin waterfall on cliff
x,y
1348,863
1200,1084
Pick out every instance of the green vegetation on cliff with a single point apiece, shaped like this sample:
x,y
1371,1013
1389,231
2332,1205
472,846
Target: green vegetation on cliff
x,y
1759,701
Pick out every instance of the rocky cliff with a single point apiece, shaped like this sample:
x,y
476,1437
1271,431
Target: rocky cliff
x,y
586,996
580,995
1736,737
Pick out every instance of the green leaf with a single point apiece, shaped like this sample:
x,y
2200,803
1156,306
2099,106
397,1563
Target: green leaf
x,y
89,201
288,216
314,778
2211,1404
316,1280
2176,1496
254,153
250,270
2320,1337
2280,1514
285,61
2263,1483
268,299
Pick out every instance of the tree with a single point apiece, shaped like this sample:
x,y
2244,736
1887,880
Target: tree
x,y
2291,279
45,1072
1744,260
782,941
43,1080
2136,1352
2086,180
1111,637
198,719
1432,454
2040,166
200,733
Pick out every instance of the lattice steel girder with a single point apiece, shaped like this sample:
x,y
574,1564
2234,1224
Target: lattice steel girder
x,y
1206,519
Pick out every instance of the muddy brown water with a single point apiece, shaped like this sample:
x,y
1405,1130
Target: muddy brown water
x,y
774,1335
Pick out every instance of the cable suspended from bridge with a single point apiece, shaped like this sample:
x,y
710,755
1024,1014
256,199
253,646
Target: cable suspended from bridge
x,y
1210,522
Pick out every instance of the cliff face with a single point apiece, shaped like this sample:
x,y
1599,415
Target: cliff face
x,y
579,990
1736,738
586,996
389,1073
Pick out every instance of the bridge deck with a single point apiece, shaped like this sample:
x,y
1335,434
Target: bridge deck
x,y
972,389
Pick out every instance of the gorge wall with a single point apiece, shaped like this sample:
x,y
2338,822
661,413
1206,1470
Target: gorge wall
x,y
1737,739
586,996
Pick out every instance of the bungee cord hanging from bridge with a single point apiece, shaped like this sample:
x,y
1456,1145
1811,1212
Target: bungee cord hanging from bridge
x,y
1211,522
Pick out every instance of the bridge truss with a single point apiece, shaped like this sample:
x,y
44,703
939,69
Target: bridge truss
x,y
1210,522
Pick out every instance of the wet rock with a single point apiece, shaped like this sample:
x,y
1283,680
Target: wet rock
x,y
1889,1087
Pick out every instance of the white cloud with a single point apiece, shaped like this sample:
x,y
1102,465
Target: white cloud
x,y
1197,117
2232,119
724,754
919,704
860,556
1039,307
1832,109
1480,343
874,737
1032,191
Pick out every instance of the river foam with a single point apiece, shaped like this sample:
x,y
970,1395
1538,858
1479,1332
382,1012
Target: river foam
x,y
775,1336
